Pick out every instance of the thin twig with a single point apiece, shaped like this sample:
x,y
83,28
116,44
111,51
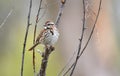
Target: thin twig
x,y
92,29
67,64
81,39
88,38
25,39
37,17
1,25
69,69
60,12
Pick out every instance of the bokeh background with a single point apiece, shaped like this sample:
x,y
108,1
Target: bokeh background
x,y
101,58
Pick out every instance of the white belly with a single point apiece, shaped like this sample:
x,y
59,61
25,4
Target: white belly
x,y
51,39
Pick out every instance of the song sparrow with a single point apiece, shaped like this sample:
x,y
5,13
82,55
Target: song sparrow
x,y
48,36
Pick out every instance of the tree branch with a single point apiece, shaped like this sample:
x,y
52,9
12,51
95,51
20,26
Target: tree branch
x,y
92,29
37,20
82,51
66,65
25,39
60,12
80,40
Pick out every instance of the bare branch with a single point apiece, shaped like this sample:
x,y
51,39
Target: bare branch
x,y
25,39
37,17
1,25
80,44
60,11
69,69
82,51
92,29
67,64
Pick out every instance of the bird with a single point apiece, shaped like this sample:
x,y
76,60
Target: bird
x,y
48,36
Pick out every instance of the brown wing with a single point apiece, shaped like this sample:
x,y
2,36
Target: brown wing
x,y
33,46
40,36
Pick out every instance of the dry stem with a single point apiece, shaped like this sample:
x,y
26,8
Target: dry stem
x,y
79,54
25,39
37,17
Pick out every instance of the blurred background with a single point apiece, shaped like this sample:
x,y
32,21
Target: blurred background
x,y
101,57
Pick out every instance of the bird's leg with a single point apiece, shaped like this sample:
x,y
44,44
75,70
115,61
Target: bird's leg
x,y
52,48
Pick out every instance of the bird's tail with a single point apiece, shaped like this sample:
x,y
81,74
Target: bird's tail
x,y
33,46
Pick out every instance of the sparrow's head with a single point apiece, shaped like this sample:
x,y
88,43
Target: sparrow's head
x,y
49,24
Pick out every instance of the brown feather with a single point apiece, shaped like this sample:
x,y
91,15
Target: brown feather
x,y
40,35
37,40
33,46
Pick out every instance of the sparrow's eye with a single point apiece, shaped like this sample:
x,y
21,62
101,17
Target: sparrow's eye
x,y
48,24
